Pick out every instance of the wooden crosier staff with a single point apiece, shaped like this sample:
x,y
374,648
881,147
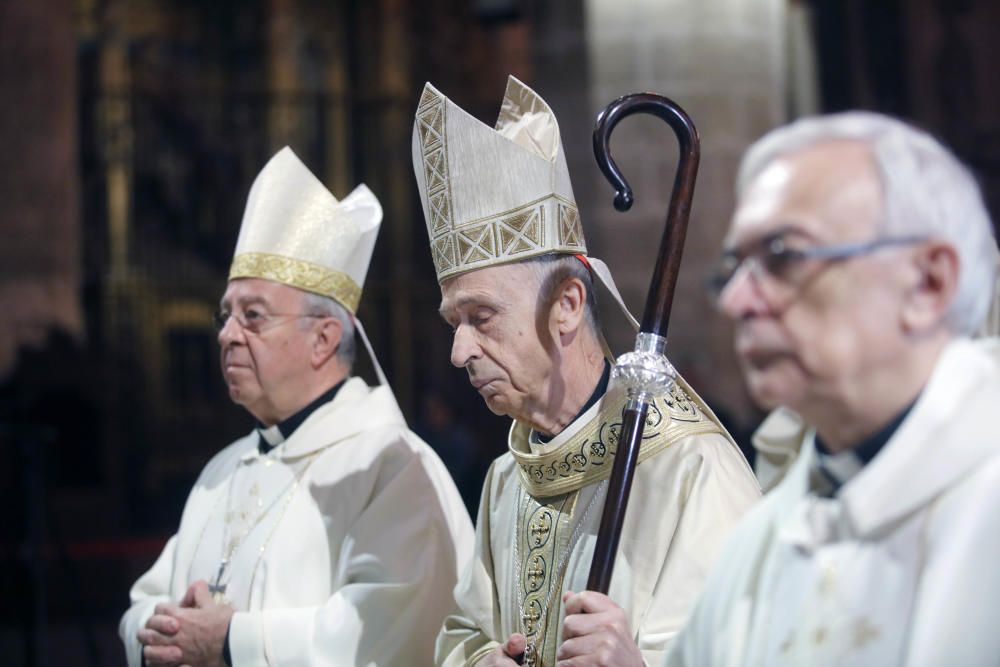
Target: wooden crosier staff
x,y
645,372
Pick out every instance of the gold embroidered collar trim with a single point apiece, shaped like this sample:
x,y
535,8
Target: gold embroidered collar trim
x,y
585,451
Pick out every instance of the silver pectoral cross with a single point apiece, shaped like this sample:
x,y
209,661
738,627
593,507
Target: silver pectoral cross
x,y
218,589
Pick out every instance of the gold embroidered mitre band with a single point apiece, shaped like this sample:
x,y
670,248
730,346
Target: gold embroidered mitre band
x,y
296,233
493,196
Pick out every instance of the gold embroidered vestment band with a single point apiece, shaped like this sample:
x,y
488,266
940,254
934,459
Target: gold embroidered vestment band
x,y
588,455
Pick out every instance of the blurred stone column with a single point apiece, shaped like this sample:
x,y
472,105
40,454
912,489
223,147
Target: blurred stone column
x,y
115,108
339,142
284,118
40,252
726,63
394,121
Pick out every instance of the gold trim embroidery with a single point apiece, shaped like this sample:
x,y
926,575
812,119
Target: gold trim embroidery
x,y
298,273
522,208
443,253
476,244
521,232
550,224
570,229
508,236
431,124
587,456
543,534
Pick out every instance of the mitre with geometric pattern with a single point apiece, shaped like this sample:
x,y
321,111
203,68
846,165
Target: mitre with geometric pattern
x,y
493,195
295,232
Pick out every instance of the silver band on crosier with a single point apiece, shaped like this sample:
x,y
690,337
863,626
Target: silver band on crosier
x,y
645,372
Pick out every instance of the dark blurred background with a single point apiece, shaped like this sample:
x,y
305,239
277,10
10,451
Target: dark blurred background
x,y
131,131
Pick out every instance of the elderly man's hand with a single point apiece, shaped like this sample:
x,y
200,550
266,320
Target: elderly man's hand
x,y
596,633
192,633
157,636
503,655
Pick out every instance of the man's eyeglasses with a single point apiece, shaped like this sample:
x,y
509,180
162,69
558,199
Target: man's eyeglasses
x,y
255,321
773,256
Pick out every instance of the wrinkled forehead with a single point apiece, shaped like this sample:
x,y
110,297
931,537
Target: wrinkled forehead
x,y
830,192
505,283
242,292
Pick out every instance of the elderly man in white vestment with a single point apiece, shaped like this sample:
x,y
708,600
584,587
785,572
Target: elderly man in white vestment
x,y
859,261
331,534
509,252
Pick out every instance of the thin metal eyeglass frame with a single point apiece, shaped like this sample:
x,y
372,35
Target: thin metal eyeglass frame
x,y
221,319
717,283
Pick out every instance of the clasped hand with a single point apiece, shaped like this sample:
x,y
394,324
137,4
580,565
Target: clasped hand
x,y
190,634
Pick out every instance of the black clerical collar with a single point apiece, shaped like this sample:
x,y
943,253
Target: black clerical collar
x,y
272,436
838,468
600,390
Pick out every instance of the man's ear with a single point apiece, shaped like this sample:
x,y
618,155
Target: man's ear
x,y
327,340
933,291
570,305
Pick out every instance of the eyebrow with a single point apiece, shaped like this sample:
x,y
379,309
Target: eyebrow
x,y
465,300
785,229
245,301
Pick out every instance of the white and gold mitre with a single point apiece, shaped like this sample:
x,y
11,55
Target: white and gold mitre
x,y
296,233
493,196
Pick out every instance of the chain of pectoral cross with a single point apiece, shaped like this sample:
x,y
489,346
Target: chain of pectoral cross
x,y
535,613
217,588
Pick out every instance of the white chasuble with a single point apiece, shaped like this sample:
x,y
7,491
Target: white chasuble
x,y
898,568
341,546
540,512
239,529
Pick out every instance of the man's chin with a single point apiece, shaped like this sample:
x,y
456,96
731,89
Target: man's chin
x,y
498,404
238,394
768,390
236,397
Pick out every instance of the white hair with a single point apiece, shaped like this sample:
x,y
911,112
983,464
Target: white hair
x,y
926,191
550,270
317,304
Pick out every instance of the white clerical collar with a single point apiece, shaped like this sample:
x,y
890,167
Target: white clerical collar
x,y
833,470
272,435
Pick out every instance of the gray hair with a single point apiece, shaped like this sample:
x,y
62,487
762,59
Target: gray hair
x,y
553,269
323,306
926,191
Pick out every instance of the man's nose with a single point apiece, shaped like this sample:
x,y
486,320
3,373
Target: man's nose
x,y
464,347
230,332
742,296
